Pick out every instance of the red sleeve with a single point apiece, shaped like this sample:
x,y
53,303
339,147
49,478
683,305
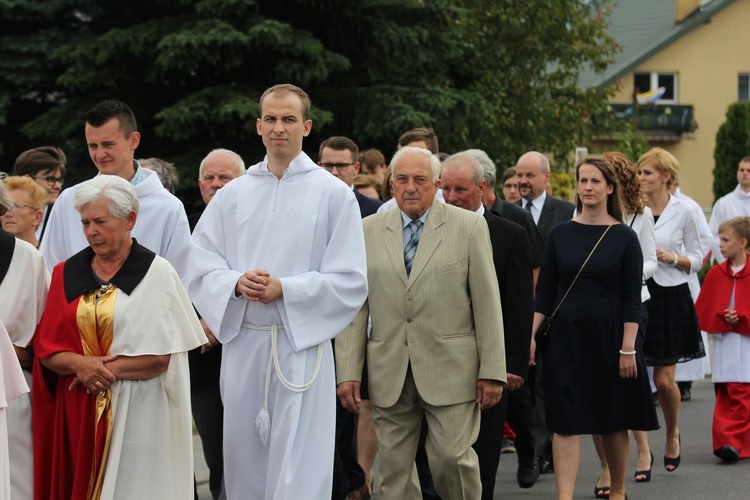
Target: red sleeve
x,y
64,420
712,301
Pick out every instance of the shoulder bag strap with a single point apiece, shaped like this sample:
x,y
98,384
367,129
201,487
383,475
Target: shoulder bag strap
x,y
581,269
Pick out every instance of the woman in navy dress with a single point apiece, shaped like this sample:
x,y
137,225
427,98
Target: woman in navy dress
x,y
595,378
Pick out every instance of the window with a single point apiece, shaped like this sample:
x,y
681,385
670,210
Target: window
x,y
743,87
644,83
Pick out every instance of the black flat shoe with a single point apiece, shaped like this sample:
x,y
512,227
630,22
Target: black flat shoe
x,y
528,474
674,462
645,473
729,455
601,491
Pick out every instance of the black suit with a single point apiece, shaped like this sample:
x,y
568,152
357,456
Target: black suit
x,y
205,400
514,213
511,255
347,473
554,211
367,205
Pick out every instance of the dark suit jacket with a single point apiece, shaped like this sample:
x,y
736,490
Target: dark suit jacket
x,y
513,265
514,213
367,205
554,212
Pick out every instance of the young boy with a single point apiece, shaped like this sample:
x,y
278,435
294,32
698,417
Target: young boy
x,y
722,308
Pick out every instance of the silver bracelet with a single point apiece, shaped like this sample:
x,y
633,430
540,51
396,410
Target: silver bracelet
x,y
627,353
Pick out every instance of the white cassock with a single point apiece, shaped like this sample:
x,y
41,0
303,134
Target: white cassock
x,y
12,386
162,225
696,369
305,229
23,294
734,204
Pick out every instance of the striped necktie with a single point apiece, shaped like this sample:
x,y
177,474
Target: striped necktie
x,y
410,250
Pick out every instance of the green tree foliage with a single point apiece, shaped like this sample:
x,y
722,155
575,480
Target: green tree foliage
x,y
732,144
501,76
630,141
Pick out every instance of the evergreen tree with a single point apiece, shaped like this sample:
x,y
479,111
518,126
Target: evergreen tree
x,y
501,76
732,144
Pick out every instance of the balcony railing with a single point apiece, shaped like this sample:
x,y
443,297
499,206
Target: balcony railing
x,y
655,119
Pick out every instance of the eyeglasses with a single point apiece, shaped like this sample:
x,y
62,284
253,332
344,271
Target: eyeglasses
x,y
18,206
51,180
341,167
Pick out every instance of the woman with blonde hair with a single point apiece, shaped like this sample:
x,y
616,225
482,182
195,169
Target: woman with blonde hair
x,y
25,217
672,335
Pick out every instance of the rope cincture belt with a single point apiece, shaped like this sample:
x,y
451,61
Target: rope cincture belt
x,y
263,420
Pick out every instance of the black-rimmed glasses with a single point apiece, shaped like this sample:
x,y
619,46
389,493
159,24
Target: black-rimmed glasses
x,y
341,167
51,180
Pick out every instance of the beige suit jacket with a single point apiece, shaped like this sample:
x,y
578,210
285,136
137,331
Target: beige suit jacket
x,y
444,319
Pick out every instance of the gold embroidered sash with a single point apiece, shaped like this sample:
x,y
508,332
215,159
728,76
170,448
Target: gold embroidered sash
x,y
95,317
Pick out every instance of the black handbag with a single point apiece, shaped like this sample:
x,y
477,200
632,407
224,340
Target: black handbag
x,y
542,335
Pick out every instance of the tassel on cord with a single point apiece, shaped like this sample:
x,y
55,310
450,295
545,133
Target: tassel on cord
x,y
263,426
263,420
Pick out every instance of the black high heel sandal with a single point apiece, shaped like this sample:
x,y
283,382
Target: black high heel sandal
x,y
601,491
674,462
645,473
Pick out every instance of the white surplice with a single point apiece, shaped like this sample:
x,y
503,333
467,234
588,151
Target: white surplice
x,y
24,294
306,230
696,369
12,387
729,206
161,227
151,449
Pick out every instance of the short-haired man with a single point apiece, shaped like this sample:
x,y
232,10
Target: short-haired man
x,y
422,137
373,164
218,168
506,210
463,186
112,137
339,156
439,355
533,177
278,271
729,206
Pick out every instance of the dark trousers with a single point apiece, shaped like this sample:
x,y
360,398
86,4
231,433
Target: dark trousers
x,y
542,436
347,474
516,406
208,412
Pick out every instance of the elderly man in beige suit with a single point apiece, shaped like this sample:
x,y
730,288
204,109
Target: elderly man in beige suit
x,y
436,346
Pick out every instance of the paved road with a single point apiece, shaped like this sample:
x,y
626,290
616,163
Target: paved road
x,y
700,476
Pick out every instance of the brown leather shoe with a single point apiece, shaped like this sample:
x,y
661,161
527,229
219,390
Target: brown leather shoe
x,y
362,493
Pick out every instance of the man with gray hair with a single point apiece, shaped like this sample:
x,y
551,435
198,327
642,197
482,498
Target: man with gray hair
x,y
216,170
507,210
463,186
423,358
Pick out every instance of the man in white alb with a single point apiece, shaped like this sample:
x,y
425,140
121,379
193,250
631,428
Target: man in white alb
x,y
112,137
734,204
278,270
